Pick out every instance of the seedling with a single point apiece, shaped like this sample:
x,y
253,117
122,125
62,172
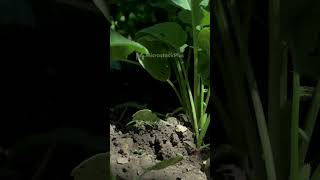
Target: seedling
x,y
160,51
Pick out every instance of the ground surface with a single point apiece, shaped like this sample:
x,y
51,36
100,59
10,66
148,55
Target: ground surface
x,y
142,147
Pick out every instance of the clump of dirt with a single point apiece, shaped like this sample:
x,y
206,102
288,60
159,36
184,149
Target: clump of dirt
x,y
137,149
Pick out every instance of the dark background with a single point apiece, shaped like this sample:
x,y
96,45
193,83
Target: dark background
x,y
53,87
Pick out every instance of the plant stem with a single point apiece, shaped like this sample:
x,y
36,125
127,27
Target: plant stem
x,y
191,101
311,119
207,99
183,89
196,85
294,165
201,105
258,108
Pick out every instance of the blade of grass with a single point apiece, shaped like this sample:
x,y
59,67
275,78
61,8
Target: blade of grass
x,y
311,119
196,76
294,154
204,129
253,87
241,128
278,123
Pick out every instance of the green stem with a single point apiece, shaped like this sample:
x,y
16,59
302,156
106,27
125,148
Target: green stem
x,y
257,104
207,99
294,165
196,85
311,119
191,101
183,89
201,105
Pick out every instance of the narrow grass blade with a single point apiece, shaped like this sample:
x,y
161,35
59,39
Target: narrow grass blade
x,y
294,155
203,129
258,108
311,119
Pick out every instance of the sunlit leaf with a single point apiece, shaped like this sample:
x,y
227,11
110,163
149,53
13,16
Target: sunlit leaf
x,y
185,4
121,47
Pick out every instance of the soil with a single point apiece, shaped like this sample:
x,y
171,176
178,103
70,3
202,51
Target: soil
x,y
143,147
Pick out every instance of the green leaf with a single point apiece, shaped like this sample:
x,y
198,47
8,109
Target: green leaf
x,y
95,167
168,32
164,164
206,120
121,47
145,115
203,17
204,39
204,3
103,7
185,16
185,4
157,67
303,135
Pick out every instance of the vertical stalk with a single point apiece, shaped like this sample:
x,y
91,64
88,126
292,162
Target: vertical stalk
x,y
294,155
201,105
278,126
196,85
257,104
311,119
187,90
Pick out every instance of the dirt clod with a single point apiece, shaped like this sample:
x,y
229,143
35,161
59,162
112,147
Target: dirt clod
x,y
133,151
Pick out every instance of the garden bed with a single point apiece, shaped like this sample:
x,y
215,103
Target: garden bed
x,y
137,148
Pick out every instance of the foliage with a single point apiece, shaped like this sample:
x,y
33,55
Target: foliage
x,y
277,126
144,117
160,50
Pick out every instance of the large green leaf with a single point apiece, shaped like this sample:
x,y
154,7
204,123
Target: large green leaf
x,y
185,4
157,67
168,32
121,47
204,39
96,167
203,17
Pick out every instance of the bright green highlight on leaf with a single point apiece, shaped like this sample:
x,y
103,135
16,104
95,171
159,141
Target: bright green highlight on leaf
x,y
121,47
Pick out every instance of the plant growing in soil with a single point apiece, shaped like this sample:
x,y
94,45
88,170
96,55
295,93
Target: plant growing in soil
x,y
159,50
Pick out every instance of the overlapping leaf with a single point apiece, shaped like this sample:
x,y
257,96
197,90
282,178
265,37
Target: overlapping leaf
x,y
121,47
168,32
157,65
